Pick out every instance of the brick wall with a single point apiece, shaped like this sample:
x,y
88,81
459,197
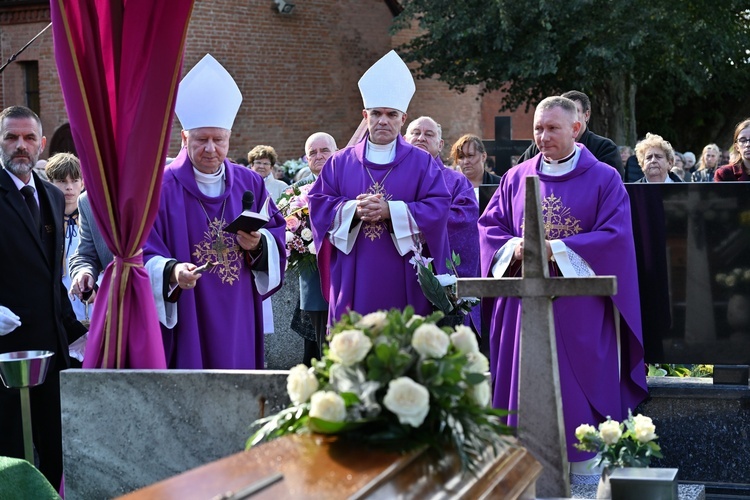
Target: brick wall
x,y
15,31
298,73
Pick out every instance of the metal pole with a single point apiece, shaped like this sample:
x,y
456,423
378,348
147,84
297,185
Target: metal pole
x,y
13,57
28,441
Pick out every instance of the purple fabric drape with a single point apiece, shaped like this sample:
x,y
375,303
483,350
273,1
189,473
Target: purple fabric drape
x,y
119,63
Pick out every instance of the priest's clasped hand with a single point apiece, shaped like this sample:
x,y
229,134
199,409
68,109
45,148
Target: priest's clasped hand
x,y
518,251
372,208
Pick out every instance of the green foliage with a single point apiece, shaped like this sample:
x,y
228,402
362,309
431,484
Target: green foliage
x,y
676,370
667,54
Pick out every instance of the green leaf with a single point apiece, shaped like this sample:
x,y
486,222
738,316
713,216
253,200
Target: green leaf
x,y
325,427
433,290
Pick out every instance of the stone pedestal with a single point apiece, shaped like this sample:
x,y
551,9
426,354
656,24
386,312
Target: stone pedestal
x,y
123,430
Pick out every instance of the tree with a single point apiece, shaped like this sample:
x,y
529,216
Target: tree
x,y
634,58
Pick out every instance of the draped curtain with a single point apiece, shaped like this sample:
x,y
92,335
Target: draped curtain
x,y
119,63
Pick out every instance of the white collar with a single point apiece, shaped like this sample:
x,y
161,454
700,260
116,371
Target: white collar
x,y
210,184
381,154
561,167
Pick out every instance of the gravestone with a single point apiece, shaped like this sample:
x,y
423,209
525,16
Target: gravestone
x,y
284,347
540,415
125,429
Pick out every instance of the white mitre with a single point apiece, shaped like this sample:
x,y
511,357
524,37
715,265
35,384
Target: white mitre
x,y
208,96
387,84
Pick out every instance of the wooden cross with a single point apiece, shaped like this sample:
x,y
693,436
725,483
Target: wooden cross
x,y
540,414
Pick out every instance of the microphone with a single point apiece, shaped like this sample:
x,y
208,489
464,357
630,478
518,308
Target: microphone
x,y
247,201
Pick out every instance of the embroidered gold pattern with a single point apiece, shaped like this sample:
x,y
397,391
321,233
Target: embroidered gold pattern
x,y
374,230
558,222
220,248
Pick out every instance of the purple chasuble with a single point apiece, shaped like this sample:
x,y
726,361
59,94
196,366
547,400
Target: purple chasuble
x,y
463,234
373,276
587,209
220,321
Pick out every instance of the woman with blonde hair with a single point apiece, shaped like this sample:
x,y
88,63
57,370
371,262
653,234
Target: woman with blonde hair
x,y
739,167
656,157
708,163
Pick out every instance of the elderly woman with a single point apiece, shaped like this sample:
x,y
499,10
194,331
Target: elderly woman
x,y
656,157
679,166
262,160
708,163
739,168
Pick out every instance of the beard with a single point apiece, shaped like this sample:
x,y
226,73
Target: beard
x,y
18,166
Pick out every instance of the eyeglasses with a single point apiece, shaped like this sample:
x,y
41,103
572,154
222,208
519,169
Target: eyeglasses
x,y
743,141
262,163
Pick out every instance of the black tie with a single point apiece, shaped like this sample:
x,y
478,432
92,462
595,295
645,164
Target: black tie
x,y
28,193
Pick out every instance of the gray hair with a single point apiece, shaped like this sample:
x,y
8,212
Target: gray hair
x,y
557,101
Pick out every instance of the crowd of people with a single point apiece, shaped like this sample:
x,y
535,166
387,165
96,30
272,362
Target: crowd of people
x,y
371,205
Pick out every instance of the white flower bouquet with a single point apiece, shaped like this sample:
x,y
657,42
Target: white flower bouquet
x,y
395,380
631,443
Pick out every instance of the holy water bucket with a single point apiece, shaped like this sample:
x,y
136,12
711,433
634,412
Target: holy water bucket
x,y
22,370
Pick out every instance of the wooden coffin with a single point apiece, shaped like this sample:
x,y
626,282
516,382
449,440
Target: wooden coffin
x,y
321,467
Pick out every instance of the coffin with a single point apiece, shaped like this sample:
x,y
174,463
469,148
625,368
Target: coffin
x,y
322,467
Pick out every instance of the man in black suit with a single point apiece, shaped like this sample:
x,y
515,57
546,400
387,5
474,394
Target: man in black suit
x,y
602,148
34,311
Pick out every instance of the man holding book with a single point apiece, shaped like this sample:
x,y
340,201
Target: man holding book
x,y
209,283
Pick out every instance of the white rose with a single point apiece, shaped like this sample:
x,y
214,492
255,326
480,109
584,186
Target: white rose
x,y
610,431
349,347
476,362
328,406
464,339
645,430
311,248
289,237
306,234
583,430
446,279
430,341
480,393
408,400
375,320
414,318
301,383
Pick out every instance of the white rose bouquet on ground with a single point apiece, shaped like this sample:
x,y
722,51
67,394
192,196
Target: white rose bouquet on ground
x,y
397,380
631,443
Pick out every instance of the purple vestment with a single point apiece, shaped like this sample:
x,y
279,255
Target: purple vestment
x,y
588,210
220,321
373,276
463,234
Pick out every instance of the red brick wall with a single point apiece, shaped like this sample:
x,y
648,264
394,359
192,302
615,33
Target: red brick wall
x,y
298,73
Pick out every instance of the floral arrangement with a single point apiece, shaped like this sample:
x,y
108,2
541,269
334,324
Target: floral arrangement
x,y
737,280
440,289
300,248
291,167
395,380
631,443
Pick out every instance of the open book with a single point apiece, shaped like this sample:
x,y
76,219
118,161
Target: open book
x,y
249,221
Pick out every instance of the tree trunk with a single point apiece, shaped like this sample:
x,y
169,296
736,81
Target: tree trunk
x,y
613,111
